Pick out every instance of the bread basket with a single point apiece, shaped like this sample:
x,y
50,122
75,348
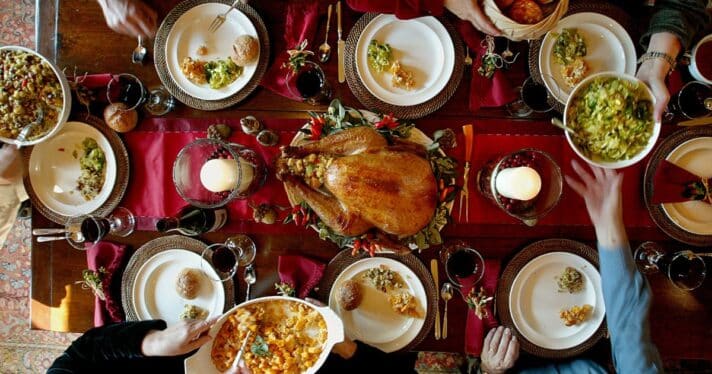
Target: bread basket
x,y
516,31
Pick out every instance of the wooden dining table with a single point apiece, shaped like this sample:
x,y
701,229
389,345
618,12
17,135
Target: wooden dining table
x,y
73,34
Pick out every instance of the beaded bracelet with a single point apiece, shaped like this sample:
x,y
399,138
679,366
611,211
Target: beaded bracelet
x,y
655,54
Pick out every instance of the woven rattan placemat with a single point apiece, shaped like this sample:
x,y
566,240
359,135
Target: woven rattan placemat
x,y
149,250
657,213
159,56
344,258
122,173
505,285
404,112
607,9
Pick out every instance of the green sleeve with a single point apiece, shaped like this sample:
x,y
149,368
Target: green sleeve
x,y
684,18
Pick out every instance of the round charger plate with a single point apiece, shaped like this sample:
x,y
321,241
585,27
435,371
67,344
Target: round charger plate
x,y
374,322
54,169
344,259
164,35
146,253
608,48
59,205
609,10
535,302
588,257
190,32
422,46
154,294
422,109
688,222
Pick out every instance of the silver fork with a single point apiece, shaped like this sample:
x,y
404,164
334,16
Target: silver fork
x,y
220,19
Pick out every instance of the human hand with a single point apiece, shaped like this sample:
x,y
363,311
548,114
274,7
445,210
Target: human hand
x,y
9,163
499,351
653,73
129,17
470,10
345,349
178,339
602,194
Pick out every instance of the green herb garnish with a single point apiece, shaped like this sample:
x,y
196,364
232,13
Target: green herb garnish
x,y
260,348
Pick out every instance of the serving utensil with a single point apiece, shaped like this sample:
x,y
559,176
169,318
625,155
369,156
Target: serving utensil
x,y
139,54
340,44
434,273
22,136
325,49
250,279
465,193
220,19
446,294
468,59
49,231
242,349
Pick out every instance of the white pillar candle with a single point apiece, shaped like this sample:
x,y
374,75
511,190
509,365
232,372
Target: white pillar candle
x,y
521,183
220,174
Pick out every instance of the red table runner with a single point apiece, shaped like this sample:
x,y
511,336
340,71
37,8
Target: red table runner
x,y
154,145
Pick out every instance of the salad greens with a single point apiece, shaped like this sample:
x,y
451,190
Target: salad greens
x,y
220,73
379,55
568,46
91,165
613,118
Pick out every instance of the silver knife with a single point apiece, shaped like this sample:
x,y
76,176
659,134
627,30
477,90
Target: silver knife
x,y
341,44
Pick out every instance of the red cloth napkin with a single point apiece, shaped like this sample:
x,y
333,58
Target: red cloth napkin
x,y
476,328
300,272
301,20
673,184
484,92
111,257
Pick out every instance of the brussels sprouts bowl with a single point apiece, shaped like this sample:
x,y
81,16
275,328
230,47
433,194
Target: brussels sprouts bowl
x,y
612,118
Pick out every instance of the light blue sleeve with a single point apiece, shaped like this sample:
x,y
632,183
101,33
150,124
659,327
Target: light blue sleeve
x,y
627,296
571,367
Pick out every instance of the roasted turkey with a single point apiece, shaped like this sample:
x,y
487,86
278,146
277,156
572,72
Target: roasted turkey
x,y
354,181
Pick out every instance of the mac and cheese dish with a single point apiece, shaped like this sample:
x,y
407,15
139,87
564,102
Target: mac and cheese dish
x,y
287,337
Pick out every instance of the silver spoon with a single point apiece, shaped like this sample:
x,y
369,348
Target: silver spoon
x,y
250,279
325,49
22,136
139,53
48,231
445,294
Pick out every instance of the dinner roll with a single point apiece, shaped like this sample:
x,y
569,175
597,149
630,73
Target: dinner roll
x,y
244,50
119,118
350,295
188,283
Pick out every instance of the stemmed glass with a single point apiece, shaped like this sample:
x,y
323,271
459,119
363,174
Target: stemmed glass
x,y
462,262
92,229
685,269
309,84
127,89
533,97
225,258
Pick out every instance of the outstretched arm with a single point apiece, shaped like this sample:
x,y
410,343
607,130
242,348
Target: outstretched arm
x,y
625,292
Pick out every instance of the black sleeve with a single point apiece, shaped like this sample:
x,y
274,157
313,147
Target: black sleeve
x,y
101,348
366,358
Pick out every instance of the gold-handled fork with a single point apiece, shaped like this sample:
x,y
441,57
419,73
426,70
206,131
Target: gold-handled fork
x,y
220,19
465,193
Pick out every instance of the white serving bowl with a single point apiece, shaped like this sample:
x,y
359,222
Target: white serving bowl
x,y
202,363
66,99
595,160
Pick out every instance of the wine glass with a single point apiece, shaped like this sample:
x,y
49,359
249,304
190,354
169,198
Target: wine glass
x,y
534,97
685,269
225,258
159,101
127,89
309,84
693,101
92,229
462,262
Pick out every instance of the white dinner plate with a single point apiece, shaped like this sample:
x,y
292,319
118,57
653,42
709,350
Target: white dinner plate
x,y
608,48
154,293
423,47
535,301
54,170
191,31
693,216
374,322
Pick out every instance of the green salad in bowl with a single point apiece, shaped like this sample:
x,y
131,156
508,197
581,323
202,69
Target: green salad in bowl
x,y
612,118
